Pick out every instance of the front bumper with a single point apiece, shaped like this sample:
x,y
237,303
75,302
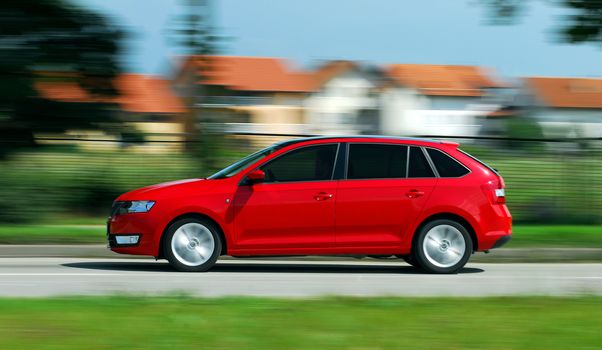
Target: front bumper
x,y
123,240
141,225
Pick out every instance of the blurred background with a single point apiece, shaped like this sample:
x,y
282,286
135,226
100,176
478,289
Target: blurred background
x,y
101,97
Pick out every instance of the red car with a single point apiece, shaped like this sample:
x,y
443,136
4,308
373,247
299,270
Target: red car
x,y
424,201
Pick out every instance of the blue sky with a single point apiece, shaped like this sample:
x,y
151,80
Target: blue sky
x,y
380,31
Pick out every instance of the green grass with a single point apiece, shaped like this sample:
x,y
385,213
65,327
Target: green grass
x,y
52,234
582,236
330,323
550,189
87,231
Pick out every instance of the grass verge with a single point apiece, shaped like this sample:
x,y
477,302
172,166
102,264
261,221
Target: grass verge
x,y
330,323
561,236
525,236
52,234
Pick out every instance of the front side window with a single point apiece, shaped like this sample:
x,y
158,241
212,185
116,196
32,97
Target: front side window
x,y
235,168
446,165
311,163
418,165
376,161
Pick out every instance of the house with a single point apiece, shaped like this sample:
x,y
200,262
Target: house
x,y
265,95
443,100
566,107
145,104
344,99
245,95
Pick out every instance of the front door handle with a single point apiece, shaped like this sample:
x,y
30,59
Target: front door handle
x,y
322,196
414,193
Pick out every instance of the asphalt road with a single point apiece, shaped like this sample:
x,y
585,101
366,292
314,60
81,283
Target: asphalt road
x,y
286,278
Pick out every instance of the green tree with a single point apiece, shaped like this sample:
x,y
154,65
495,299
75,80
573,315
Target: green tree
x,y
583,23
197,39
53,41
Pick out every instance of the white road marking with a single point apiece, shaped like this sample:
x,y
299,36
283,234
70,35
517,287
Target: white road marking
x,y
37,277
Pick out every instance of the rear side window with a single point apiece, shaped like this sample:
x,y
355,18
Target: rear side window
x,y
418,165
312,163
446,165
375,161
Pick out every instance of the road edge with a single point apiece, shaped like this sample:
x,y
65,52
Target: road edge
x,y
504,255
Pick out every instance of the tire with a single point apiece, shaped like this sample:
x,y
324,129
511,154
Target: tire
x,y
409,259
442,246
192,245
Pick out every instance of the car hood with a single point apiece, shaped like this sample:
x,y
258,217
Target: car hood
x,y
157,191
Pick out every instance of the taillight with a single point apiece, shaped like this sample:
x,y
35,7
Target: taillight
x,y
500,196
495,191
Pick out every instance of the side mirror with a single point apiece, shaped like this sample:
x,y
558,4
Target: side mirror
x,y
256,176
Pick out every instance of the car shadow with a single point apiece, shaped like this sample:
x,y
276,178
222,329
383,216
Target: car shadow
x,y
144,266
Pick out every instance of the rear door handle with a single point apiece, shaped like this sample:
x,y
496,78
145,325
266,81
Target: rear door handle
x,y
414,193
322,196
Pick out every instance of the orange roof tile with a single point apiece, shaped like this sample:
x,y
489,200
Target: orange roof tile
x,y
146,94
567,92
62,91
330,70
138,93
501,113
252,74
442,80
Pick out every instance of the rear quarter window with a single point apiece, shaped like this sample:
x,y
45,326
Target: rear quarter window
x,y
418,166
446,165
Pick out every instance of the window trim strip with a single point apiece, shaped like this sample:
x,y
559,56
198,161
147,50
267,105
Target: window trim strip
x,y
430,161
408,162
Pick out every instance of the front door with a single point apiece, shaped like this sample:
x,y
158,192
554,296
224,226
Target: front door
x,y
293,209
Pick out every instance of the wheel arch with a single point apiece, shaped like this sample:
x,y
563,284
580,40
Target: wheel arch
x,y
449,216
193,215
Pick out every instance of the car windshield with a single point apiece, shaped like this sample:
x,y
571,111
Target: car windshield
x,y
246,161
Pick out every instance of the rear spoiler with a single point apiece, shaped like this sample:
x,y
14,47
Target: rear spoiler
x,y
450,143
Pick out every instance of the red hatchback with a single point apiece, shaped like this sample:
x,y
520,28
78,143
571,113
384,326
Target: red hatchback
x,y
424,201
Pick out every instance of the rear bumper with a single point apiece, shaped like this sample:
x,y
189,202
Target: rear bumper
x,y
497,228
502,241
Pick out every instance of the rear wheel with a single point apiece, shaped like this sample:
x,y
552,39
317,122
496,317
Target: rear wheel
x,y
442,246
192,245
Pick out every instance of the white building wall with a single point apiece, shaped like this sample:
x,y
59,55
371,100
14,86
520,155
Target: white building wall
x,y
397,105
334,110
569,122
405,112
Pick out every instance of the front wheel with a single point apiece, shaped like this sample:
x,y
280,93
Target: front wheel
x,y
442,246
192,245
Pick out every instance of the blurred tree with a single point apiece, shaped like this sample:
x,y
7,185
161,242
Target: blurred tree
x,y
52,41
584,23
195,36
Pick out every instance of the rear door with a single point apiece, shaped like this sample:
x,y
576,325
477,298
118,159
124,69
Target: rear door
x,y
385,188
294,207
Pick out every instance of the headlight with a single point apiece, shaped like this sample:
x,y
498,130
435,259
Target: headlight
x,y
129,207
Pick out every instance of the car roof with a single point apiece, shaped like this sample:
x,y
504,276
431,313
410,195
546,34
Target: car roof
x,y
372,138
